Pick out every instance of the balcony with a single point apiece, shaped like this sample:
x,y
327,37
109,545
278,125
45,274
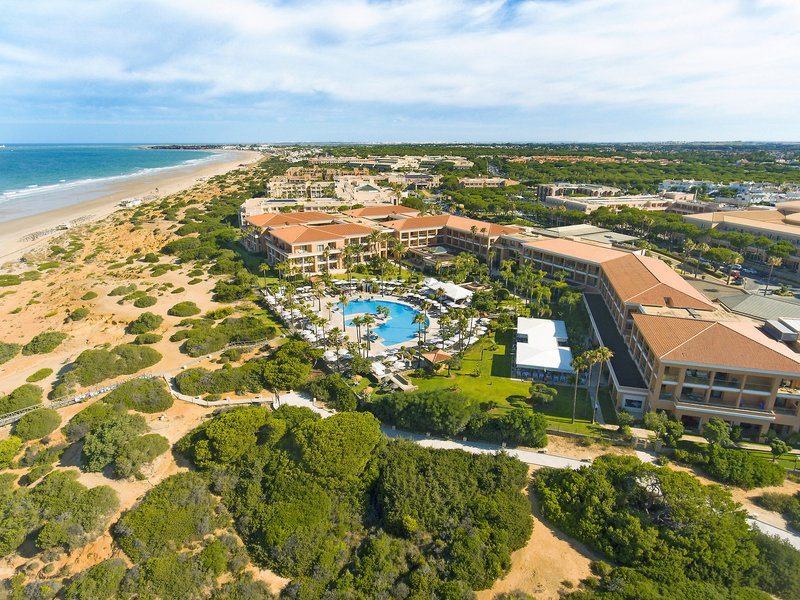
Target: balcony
x,y
731,385
757,388
697,381
724,410
791,392
670,379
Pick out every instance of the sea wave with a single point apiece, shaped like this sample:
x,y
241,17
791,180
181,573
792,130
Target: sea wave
x,y
70,186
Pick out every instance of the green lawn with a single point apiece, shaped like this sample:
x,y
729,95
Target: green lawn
x,y
496,391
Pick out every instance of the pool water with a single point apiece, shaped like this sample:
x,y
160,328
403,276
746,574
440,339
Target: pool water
x,y
398,329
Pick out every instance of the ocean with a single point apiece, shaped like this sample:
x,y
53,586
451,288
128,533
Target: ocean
x,y
38,178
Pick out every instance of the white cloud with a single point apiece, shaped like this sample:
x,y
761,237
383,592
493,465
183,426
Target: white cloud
x,y
713,55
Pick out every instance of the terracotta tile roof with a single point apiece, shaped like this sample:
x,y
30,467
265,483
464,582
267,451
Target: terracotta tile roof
x,y
577,250
645,280
382,211
722,344
287,219
426,222
452,221
302,234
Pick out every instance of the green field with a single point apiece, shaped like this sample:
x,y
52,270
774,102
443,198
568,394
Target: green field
x,y
494,389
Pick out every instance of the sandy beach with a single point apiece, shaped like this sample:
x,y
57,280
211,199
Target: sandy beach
x,y
15,235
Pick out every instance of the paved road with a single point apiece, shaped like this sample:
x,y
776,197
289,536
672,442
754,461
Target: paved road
x,y
790,537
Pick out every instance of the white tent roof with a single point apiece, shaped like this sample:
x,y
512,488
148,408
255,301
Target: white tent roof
x,y
542,351
451,290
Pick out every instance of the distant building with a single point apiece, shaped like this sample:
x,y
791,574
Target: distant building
x,y
570,189
485,182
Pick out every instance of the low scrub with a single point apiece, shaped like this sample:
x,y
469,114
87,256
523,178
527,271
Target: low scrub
x,y
39,375
44,343
146,395
144,302
123,290
145,322
22,397
184,309
78,314
8,351
37,424
147,338
90,295
136,453
95,366
203,339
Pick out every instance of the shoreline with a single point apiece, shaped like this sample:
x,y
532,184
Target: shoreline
x,y
15,234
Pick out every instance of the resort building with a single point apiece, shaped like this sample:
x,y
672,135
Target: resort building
x,y
676,350
484,182
542,350
776,224
575,189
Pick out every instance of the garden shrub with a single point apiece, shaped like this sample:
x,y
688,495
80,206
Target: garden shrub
x,y
146,395
742,469
44,342
144,302
184,309
37,424
39,375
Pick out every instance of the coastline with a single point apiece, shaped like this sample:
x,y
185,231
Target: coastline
x,y
13,233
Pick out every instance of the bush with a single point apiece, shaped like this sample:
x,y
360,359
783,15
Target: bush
x,y
39,375
145,322
100,582
333,390
143,531
123,290
92,415
204,339
133,455
8,450
146,395
94,366
147,338
220,313
37,424
184,309
786,505
150,257
8,351
90,295
144,302
44,342
742,469
104,439
24,396
78,314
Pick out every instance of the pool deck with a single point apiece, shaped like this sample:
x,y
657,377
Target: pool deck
x,y
378,347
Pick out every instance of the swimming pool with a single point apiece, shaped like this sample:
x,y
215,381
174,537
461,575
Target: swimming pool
x,y
397,330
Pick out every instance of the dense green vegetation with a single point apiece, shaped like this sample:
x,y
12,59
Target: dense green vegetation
x,y
670,536
451,414
8,450
44,342
58,512
123,290
145,301
337,507
90,295
24,396
78,314
139,451
204,337
92,415
37,424
93,366
147,338
184,309
104,440
8,351
334,391
734,466
146,395
145,322
285,369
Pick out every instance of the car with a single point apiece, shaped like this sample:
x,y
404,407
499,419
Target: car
x,y
749,271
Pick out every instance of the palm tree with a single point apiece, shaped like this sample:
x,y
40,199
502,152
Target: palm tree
x,y
772,262
264,267
318,293
571,299
599,356
326,254
344,302
701,248
358,322
336,340
399,250
507,269
688,246
579,364
732,258
368,320
419,320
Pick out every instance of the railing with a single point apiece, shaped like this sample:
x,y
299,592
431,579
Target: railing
x,y
728,384
744,411
697,380
786,391
757,388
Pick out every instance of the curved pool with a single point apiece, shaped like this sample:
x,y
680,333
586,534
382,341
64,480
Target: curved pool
x,y
398,329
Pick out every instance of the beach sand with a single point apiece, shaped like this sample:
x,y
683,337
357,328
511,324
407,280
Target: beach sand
x,y
15,234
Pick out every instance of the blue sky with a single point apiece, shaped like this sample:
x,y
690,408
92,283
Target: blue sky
x,y
398,70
